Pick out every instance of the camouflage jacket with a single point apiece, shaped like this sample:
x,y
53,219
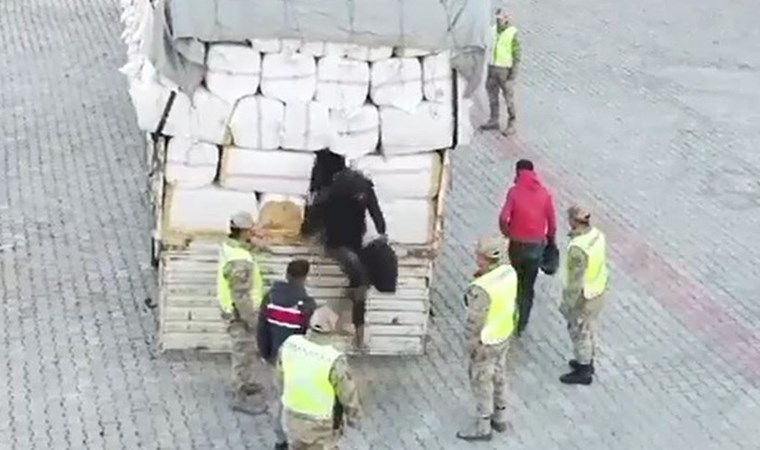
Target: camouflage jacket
x,y
239,274
340,378
477,301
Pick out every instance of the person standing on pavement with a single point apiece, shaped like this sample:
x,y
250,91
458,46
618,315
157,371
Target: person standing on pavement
x,y
315,376
285,311
240,291
491,311
527,219
502,71
584,282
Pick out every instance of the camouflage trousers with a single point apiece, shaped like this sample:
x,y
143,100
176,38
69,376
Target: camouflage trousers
x,y
498,82
582,316
242,355
309,434
488,377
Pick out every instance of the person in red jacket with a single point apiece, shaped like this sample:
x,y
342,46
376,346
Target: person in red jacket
x,y
527,219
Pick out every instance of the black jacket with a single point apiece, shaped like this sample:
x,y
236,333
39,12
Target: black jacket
x,y
285,310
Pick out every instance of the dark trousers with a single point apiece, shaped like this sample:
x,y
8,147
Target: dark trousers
x,y
358,280
525,257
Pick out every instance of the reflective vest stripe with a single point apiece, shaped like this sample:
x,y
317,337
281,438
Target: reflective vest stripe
x,y
503,46
284,317
501,286
306,370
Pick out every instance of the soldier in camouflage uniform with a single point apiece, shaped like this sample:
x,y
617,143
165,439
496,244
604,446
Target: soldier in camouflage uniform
x,y
491,318
308,367
239,290
584,279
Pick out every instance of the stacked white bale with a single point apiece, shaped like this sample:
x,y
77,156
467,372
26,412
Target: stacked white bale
x,y
233,71
204,210
190,164
266,171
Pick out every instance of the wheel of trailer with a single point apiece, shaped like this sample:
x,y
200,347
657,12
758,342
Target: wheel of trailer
x,y
155,252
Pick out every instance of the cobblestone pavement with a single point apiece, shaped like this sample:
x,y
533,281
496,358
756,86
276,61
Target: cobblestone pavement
x,y
645,110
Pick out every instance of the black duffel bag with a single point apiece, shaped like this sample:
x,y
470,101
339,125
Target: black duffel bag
x,y
550,258
381,264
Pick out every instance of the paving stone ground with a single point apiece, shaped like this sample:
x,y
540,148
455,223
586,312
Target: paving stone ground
x,y
646,111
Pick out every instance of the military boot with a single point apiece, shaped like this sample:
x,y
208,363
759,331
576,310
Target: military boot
x,y
511,129
574,364
581,375
479,430
240,404
492,124
499,420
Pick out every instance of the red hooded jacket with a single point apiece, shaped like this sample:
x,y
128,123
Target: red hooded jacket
x,y
528,213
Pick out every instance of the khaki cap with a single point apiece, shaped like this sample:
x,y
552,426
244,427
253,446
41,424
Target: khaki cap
x,y
323,320
491,247
242,220
579,214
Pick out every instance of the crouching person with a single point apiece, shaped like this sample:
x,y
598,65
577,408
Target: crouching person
x,y
314,376
285,311
240,291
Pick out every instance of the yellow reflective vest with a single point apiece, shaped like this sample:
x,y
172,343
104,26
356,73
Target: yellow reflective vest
x,y
593,244
228,253
306,370
501,286
503,46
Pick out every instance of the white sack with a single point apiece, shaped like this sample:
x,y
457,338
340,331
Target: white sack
x,y
257,123
437,78
277,171
408,221
313,48
281,215
267,45
205,210
356,132
342,83
404,52
306,127
149,100
190,164
429,127
397,82
408,176
210,116
289,77
233,58
231,87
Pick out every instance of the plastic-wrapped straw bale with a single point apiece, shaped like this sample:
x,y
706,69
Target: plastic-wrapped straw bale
x,y
210,116
407,176
429,127
289,77
356,132
277,171
205,210
397,82
191,164
257,123
342,83
306,127
437,78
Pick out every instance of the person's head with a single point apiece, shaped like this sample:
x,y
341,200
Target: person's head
x,y
503,18
351,183
578,217
523,164
242,226
297,270
489,252
326,165
323,320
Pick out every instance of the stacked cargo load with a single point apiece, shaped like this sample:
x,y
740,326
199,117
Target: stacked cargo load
x,y
244,139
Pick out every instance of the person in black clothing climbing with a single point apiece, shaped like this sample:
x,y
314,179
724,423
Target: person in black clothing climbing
x,y
285,310
340,200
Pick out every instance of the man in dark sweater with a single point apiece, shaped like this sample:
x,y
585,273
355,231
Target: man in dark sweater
x,y
285,310
337,211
